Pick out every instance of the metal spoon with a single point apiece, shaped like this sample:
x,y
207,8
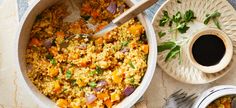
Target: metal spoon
x,y
124,17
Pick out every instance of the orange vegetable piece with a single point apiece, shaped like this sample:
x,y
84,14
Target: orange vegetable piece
x,y
116,78
99,41
53,71
115,96
83,63
92,105
80,83
62,103
103,95
145,48
86,8
94,14
136,29
57,86
60,34
108,103
35,42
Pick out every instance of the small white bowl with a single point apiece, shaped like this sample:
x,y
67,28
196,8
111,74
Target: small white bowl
x,y
226,58
212,94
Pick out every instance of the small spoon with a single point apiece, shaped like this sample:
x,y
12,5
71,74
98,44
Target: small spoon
x,y
124,17
233,103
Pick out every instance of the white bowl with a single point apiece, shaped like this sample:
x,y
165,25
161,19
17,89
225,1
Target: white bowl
x,y
212,94
26,23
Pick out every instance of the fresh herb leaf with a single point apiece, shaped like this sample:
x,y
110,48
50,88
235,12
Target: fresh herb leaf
x,y
49,56
53,62
177,17
216,22
211,16
165,19
125,43
166,46
161,34
189,16
182,28
173,52
131,65
178,1
93,72
92,84
73,82
99,70
68,74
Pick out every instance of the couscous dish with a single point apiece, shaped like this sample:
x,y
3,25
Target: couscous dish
x,y
79,71
223,102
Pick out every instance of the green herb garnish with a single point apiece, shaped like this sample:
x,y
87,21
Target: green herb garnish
x,y
131,65
182,28
49,56
177,17
68,74
165,18
213,17
92,84
125,43
173,52
166,46
161,34
93,72
99,70
189,16
53,62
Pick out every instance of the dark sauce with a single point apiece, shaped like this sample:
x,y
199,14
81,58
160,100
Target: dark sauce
x,y
208,50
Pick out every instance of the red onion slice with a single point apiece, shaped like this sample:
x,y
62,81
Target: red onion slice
x,y
112,7
90,98
128,90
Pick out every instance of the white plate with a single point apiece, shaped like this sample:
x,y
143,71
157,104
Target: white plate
x,y
185,72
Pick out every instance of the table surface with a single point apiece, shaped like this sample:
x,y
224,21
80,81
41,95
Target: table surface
x,y
14,95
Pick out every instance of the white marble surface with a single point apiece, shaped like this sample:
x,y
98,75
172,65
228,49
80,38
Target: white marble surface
x,y
14,95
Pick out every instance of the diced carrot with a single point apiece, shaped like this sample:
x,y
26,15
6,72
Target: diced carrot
x,y
116,78
53,50
115,96
35,42
145,48
62,103
108,103
99,41
92,105
92,66
57,86
53,71
80,83
83,63
86,8
136,29
103,95
94,14
60,34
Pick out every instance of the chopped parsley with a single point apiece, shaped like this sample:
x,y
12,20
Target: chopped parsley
x,y
92,84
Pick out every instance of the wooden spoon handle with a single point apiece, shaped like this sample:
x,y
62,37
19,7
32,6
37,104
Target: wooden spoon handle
x,y
133,11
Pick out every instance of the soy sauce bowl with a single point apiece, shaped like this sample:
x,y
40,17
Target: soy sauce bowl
x,y
223,62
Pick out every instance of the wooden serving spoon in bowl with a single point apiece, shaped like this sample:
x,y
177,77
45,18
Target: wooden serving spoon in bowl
x,y
124,17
